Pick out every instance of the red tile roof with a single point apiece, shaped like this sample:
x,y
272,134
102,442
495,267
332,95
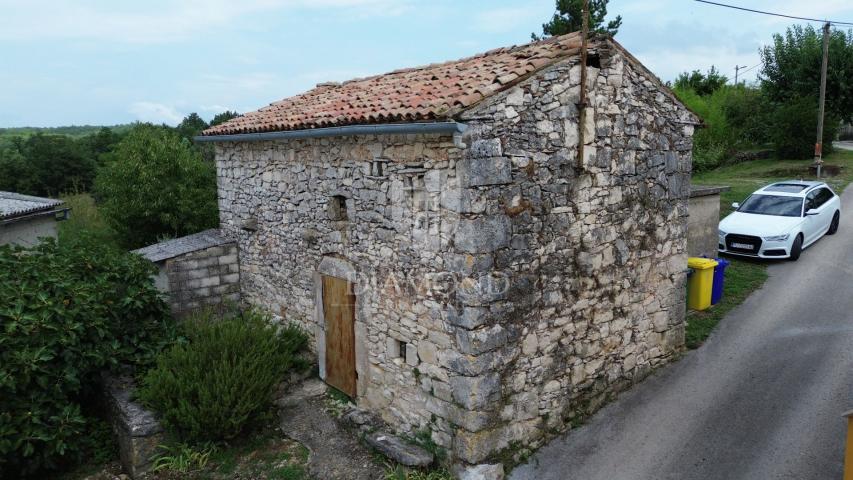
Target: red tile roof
x,y
431,92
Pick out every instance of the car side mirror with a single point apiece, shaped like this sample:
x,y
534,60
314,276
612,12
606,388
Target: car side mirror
x,y
811,211
735,205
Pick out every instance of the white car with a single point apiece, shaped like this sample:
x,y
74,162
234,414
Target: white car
x,y
780,220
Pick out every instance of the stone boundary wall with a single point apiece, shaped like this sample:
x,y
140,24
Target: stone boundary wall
x,y
199,270
138,431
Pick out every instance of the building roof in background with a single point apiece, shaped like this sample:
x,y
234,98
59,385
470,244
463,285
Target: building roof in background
x,y
431,92
180,246
16,205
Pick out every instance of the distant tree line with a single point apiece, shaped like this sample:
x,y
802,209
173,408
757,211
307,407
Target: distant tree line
x,y
780,110
151,181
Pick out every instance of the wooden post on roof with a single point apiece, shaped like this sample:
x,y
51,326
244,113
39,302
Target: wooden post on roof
x,y
848,453
582,100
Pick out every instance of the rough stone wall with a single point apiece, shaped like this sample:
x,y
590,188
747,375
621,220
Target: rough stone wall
x,y
281,201
205,278
595,257
503,286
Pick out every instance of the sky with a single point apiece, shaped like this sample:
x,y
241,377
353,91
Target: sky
x,y
104,62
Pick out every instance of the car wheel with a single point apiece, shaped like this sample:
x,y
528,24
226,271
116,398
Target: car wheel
x,y
797,248
833,227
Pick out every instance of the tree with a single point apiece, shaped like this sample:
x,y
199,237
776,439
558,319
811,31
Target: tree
x,y
156,185
791,68
52,164
223,117
702,84
795,125
102,142
191,126
569,18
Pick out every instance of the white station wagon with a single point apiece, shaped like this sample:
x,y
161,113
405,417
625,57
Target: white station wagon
x,y
780,220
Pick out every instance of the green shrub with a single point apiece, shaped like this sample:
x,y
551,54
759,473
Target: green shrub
x,y
212,388
795,129
155,185
735,118
66,314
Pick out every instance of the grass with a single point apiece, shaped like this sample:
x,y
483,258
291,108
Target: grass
x,y
85,223
744,276
745,178
264,456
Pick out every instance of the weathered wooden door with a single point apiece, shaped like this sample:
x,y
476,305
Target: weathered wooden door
x,y
339,310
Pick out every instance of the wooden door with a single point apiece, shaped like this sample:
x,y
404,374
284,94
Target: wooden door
x,y
339,312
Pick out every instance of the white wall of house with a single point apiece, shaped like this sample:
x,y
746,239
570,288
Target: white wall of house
x,y
28,232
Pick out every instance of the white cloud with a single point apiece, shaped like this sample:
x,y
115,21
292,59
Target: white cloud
x,y
157,22
668,63
501,20
242,82
155,113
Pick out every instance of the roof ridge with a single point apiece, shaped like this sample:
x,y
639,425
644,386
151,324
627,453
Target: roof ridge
x,y
494,51
424,92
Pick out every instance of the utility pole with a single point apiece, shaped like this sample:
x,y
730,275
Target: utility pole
x,y
737,68
818,147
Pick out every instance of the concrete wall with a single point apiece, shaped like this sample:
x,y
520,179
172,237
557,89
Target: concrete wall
x,y
27,232
703,221
208,277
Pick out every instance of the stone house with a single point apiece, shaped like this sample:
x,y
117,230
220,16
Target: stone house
x,y
461,268
25,219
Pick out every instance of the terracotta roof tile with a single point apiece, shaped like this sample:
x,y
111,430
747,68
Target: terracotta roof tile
x,y
436,91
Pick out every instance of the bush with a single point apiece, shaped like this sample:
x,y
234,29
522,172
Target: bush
x,y
212,388
155,185
795,129
735,118
66,314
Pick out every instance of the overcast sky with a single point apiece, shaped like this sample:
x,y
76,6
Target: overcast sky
x,y
110,61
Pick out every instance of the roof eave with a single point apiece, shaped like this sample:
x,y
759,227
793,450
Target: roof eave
x,y
441,128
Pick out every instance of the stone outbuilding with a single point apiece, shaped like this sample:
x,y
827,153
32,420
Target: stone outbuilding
x,y
474,252
25,219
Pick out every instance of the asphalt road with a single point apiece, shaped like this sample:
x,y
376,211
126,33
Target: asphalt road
x,y
845,145
761,399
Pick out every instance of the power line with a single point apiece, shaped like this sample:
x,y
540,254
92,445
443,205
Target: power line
x,y
750,68
775,14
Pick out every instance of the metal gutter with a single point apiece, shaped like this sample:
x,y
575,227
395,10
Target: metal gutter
x,y
447,128
42,213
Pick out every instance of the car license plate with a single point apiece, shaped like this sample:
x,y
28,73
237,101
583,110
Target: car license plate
x,y
745,246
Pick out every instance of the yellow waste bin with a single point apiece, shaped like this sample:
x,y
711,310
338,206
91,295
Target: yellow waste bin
x,y
700,283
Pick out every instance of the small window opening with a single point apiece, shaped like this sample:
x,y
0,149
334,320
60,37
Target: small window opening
x,y
420,197
377,168
593,60
338,208
402,349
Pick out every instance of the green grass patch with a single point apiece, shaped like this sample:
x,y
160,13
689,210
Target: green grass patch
x,y
744,276
745,178
85,223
